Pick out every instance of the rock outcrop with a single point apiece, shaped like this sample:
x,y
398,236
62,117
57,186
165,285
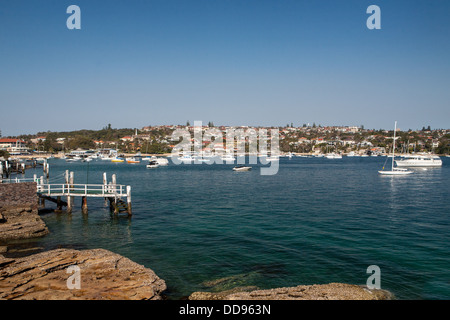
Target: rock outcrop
x,y
19,218
332,291
103,275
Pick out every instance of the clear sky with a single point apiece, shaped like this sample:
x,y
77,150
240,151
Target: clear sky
x,y
233,62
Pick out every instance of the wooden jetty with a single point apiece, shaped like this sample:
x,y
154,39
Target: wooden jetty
x,y
14,166
115,193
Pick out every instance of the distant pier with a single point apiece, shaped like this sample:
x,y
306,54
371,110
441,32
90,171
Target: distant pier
x,y
14,166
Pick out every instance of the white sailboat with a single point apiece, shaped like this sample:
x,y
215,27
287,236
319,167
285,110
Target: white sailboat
x,y
394,170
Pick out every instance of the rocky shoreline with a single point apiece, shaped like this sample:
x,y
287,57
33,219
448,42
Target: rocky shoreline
x,y
19,217
104,275
332,291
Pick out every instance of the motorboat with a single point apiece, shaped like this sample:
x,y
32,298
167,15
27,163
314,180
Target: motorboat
x,y
132,160
117,159
420,160
73,159
242,168
161,161
152,164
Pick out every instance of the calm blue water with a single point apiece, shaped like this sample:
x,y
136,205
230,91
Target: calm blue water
x,y
316,221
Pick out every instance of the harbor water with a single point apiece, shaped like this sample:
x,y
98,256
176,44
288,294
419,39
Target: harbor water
x,y
208,228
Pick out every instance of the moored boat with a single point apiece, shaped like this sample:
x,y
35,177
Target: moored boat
x,y
152,164
394,170
420,160
132,160
242,168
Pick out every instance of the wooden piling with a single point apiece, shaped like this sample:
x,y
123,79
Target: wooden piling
x,y
69,180
129,200
104,187
69,204
58,204
84,207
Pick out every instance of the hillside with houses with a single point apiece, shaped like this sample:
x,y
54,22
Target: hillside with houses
x,y
305,139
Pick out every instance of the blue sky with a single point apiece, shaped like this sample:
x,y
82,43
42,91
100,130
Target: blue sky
x,y
233,62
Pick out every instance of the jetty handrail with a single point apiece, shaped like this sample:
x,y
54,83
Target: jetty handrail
x,y
82,189
19,180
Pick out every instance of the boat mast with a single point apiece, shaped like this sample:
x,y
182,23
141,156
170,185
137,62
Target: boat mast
x,y
393,145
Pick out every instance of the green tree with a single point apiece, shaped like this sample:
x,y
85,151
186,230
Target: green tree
x,y
4,154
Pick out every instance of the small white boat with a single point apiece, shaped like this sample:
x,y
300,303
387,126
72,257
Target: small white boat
x,y
73,159
132,160
395,171
333,156
152,164
228,157
242,168
161,161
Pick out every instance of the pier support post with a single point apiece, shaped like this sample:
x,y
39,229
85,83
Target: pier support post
x,y
129,200
105,189
44,167
58,204
6,169
115,206
84,207
69,204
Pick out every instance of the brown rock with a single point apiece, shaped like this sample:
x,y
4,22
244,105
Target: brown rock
x,y
19,218
103,276
332,291
21,223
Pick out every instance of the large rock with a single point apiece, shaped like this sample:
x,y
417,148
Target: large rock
x,y
103,275
21,222
19,218
332,291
